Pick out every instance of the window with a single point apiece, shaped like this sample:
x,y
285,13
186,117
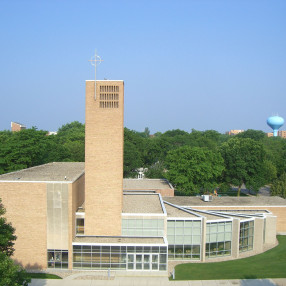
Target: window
x,y
80,226
117,257
58,258
218,239
143,227
184,239
109,97
246,234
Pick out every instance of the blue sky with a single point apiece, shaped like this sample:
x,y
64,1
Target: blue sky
x,y
186,64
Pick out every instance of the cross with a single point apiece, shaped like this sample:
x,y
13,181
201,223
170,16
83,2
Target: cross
x,y
93,61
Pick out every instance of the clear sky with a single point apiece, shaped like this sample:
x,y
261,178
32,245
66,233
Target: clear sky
x,y
216,64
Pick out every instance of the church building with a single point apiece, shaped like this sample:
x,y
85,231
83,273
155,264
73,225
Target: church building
x,y
78,215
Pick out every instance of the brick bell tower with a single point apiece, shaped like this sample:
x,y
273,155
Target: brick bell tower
x,y
104,157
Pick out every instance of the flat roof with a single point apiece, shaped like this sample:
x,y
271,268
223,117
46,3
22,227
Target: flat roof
x,y
142,203
118,239
227,201
173,211
57,171
146,184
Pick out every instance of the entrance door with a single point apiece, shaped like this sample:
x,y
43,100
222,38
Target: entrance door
x,y
147,262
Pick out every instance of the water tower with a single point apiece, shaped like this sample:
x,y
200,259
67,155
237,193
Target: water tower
x,y
275,122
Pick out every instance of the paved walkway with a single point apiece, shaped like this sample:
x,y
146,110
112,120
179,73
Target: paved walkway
x,y
153,281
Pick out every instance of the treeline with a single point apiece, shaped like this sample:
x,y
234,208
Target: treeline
x,y
194,162
32,147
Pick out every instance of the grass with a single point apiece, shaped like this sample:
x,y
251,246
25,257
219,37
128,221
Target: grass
x,y
42,276
270,264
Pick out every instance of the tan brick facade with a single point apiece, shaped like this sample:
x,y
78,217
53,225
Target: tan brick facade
x,y
76,199
104,157
26,206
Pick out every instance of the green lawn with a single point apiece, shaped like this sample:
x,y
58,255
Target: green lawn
x,y
42,276
270,264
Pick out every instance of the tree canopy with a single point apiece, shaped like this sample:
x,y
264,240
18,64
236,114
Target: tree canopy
x,y
192,169
279,187
32,147
244,163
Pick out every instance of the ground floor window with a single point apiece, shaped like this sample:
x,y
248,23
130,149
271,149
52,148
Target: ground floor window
x,y
152,258
220,248
184,252
246,236
58,258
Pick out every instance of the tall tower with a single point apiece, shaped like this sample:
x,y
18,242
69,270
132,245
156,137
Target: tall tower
x,y
104,157
275,122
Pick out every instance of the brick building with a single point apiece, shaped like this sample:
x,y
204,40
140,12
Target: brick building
x,y
17,126
84,216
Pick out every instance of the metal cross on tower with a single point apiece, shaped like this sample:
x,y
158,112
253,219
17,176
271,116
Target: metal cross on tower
x,y
93,62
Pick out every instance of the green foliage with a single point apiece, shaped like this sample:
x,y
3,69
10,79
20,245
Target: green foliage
x,y
256,135
244,163
21,149
132,160
32,147
71,138
7,236
270,172
10,274
156,171
270,264
275,148
193,169
279,187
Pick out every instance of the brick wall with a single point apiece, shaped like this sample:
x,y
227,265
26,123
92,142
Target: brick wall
x,y
27,211
103,162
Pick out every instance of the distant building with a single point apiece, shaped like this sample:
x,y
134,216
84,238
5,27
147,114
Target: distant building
x,y
52,133
281,134
234,132
17,126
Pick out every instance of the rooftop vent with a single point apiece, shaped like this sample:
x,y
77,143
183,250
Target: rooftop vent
x,y
207,198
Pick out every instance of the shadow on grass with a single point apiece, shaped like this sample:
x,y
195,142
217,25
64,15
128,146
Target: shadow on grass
x,y
250,276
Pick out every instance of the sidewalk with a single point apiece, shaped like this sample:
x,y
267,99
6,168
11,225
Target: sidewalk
x,y
154,281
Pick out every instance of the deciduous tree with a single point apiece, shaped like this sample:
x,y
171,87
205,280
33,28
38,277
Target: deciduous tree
x,y
193,169
244,159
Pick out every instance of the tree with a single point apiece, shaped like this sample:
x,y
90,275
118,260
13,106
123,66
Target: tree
x,y
156,171
7,236
275,148
279,187
22,149
244,163
132,160
256,135
194,169
10,274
